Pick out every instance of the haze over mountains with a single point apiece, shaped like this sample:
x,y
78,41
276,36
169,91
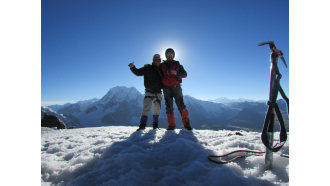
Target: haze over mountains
x,y
123,106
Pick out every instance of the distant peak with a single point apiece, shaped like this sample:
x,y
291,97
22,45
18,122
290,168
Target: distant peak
x,y
121,89
121,92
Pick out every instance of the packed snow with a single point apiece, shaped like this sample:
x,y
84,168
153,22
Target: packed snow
x,y
122,156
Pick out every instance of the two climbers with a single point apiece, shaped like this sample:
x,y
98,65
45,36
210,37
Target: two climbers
x,y
167,76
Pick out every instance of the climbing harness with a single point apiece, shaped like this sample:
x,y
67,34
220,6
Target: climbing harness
x,y
154,98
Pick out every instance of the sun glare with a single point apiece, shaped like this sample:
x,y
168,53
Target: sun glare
x,y
176,47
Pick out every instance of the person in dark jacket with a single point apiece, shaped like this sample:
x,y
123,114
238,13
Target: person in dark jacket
x,y
173,73
153,94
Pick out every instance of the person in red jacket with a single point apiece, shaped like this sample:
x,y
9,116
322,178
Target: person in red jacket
x,y
173,73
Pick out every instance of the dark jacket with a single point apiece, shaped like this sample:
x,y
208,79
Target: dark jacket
x,y
152,77
169,79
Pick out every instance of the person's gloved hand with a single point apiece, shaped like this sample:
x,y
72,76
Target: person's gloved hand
x,y
131,65
174,72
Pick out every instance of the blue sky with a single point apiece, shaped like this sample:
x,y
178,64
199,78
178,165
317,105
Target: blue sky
x,y
86,45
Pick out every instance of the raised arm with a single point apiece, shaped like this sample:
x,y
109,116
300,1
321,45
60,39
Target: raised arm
x,y
137,71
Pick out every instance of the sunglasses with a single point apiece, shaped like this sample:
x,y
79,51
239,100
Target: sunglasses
x,y
169,55
157,60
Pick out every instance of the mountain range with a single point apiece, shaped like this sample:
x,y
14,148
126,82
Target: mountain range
x,y
123,106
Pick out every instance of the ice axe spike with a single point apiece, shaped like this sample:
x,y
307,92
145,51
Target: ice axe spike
x,y
284,62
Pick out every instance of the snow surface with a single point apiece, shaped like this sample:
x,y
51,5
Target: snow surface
x,y
121,156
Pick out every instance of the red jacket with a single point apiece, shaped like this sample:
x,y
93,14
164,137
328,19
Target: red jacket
x,y
169,79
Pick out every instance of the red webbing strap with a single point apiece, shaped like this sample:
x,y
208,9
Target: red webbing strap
x,y
256,153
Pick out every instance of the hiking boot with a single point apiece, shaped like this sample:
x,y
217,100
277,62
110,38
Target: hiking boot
x,y
185,119
170,128
187,126
142,126
171,121
154,125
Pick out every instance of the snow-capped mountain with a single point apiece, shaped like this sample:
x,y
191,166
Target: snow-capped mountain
x,y
118,155
123,106
70,122
120,105
120,94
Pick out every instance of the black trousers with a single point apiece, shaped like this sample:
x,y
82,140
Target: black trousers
x,y
175,92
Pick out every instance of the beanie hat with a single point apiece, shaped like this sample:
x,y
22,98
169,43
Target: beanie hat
x,y
156,57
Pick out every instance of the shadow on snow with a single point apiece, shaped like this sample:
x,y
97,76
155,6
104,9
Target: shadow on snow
x,y
145,158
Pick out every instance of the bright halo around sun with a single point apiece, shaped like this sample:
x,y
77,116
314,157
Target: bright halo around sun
x,y
179,51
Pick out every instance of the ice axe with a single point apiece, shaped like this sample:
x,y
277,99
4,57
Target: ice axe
x,y
267,135
274,49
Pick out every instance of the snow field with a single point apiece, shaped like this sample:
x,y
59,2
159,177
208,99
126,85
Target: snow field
x,y
122,156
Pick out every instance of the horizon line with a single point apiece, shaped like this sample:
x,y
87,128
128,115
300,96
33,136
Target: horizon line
x,y
48,103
